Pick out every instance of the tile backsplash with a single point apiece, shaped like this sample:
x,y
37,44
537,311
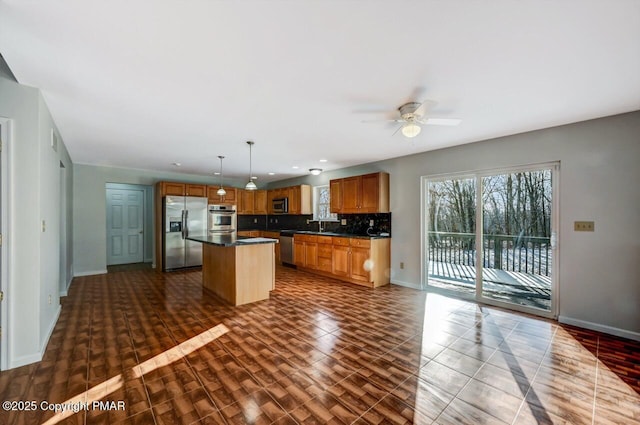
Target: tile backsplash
x,y
355,223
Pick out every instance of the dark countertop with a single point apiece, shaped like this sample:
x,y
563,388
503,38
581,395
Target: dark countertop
x,y
229,240
335,234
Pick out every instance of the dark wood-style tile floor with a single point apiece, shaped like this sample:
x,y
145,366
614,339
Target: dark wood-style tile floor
x,y
319,351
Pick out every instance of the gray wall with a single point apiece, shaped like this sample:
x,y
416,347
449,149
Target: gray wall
x,y
90,210
599,175
33,285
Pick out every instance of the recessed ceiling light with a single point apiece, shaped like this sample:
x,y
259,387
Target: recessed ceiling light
x,y
323,160
177,164
216,173
254,177
272,174
295,167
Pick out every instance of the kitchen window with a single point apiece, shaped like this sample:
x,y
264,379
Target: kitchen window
x,y
322,204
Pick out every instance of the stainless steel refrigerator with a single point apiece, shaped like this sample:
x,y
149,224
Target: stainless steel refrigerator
x,y
183,216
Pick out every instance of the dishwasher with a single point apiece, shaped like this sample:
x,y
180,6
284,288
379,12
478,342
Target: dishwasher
x,y
286,247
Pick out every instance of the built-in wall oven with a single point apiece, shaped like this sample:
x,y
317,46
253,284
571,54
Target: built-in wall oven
x,y
222,219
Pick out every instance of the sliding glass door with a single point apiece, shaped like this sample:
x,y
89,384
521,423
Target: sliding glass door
x,y
517,257
490,236
451,234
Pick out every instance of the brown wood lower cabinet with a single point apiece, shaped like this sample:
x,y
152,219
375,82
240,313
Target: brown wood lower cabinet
x,y
305,251
340,266
357,260
325,254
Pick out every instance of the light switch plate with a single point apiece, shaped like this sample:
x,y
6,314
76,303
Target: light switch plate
x,y
343,222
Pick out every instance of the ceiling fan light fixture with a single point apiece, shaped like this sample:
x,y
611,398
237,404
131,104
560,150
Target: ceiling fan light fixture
x,y
315,171
251,185
411,130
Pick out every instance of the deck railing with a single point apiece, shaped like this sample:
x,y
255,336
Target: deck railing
x,y
525,254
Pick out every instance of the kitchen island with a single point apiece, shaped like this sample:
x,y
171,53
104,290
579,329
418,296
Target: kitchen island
x,y
238,270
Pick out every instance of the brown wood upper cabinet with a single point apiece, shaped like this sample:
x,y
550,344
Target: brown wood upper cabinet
x,y
260,202
299,199
335,189
182,189
368,193
252,202
229,198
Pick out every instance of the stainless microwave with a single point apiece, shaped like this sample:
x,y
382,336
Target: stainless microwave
x,y
280,205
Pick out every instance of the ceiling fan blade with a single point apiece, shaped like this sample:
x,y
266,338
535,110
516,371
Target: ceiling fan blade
x,y
424,106
396,120
397,129
442,121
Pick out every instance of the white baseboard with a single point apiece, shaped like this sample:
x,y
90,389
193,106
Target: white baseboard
x,y
25,360
406,284
89,273
600,328
65,291
52,326
36,357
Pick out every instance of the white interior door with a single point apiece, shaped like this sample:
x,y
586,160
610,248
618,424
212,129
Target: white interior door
x,y
125,224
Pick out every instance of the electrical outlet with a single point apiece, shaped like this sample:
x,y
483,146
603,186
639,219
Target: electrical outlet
x,y
276,221
372,223
255,220
583,226
49,299
401,265
343,222
44,226
308,221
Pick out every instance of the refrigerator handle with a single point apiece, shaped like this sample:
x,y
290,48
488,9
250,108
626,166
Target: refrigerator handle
x,y
184,225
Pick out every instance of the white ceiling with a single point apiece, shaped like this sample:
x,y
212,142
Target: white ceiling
x,y
145,83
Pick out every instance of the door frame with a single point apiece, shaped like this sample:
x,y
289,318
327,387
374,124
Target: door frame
x,y
555,220
147,217
6,132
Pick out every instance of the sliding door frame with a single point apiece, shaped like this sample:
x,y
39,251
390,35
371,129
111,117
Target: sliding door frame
x,y
478,175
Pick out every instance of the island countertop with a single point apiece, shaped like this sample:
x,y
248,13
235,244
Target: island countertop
x,y
239,270
229,240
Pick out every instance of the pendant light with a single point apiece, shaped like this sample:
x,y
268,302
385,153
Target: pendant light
x,y
221,191
251,185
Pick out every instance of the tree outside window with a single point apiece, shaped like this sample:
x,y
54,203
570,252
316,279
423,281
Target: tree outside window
x,y
322,204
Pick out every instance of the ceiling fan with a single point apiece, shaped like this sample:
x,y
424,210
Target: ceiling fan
x,y
412,115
